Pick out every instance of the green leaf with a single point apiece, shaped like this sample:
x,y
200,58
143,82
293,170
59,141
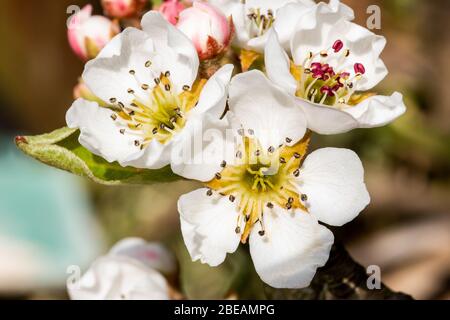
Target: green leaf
x,y
202,282
62,150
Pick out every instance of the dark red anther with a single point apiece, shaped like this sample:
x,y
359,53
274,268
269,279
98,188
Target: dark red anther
x,y
322,71
327,90
340,80
331,72
359,68
336,87
338,45
317,73
339,83
325,67
324,89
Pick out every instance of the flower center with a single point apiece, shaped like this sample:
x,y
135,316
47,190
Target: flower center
x,y
156,112
321,83
258,22
261,179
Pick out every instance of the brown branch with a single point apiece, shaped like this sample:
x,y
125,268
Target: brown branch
x,y
340,278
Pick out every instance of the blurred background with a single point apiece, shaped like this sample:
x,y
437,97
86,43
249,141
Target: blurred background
x,y
50,219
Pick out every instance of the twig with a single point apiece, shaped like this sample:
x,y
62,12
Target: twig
x,y
340,278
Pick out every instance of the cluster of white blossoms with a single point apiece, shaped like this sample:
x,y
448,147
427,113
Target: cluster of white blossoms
x,y
261,186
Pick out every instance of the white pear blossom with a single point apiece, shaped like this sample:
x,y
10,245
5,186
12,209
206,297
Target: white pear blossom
x,y
253,18
268,194
132,270
156,105
334,63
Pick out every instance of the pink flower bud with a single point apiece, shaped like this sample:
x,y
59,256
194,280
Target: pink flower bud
x,y
89,34
123,8
171,10
207,27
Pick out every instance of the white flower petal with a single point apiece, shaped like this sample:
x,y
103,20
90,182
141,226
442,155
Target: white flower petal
x,y
287,18
333,180
201,147
112,48
378,111
99,133
375,111
214,94
293,247
312,30
274,5
114,278
227,6
258,44
183,62
192,239
238,13
208,225
327,120
259,105
154,156
107,76
152,255
278,64
264,5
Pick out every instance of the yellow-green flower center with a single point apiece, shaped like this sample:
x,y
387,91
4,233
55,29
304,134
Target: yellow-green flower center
x,y
160,114
261,178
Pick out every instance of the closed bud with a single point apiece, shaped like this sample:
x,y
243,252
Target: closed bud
x,y
207,27
123,8
171,10
88,34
